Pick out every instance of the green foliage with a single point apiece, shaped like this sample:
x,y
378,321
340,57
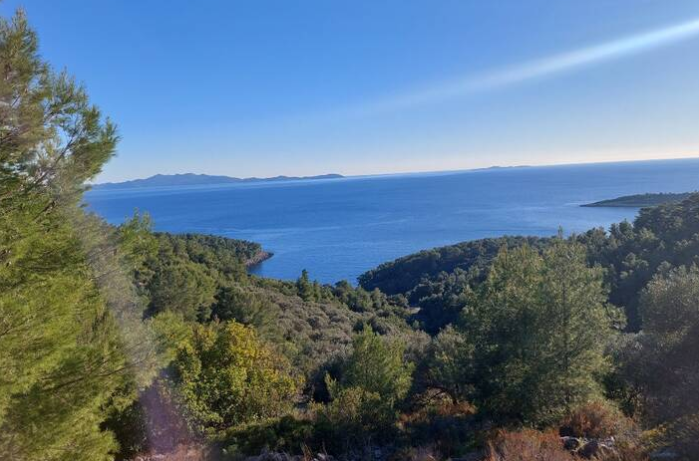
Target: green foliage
x,y
182,287
378,366
286,434
135,240
374,379
51,136
114,255
225,256
62,361
360,300
170,330
130,429
314,333
404,274
306,290
237,303
641,200
65,365
442,298
449,366
225,377
518,325
196,277
191,273
630,254
538,330
662,362
354,418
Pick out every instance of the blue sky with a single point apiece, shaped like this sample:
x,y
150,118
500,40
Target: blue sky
x,y
260,88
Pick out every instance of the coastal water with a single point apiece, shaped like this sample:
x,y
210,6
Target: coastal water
x,y
339,228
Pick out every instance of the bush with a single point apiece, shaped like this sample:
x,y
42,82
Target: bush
x,y
225,377
527,445
449,428
663,363
362,407
378,365
353,419
286,434
596,420
448,365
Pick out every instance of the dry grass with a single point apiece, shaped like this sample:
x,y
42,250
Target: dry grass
x,y
527,445
596,421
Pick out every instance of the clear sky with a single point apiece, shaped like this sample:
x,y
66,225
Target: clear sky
x,y
261,87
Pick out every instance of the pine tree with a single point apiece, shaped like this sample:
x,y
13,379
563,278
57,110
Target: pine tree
x,y
378,365
537,331
64,363
305,288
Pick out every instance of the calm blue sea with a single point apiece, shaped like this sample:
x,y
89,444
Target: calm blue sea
x,y
339,228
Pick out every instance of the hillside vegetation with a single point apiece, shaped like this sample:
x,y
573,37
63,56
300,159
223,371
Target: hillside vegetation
x,y
120,343
630,254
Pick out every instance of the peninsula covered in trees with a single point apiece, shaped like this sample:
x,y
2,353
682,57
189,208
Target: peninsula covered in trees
x,y
119,343
640,200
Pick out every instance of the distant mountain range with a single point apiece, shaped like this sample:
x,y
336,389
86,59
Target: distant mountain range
x,y
191,179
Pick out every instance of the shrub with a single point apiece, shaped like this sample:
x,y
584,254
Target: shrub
x,y
596,420
448,365
663,364
226,377
362,407
286,434
353,419
377,365
527,445
449,428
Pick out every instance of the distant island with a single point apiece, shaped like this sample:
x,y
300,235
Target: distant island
x,y
640,200
191,179
506,167
500,167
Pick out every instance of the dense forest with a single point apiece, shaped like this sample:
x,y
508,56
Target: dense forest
x,y
117,342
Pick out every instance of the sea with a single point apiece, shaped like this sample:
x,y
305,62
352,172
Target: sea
x,y
339,228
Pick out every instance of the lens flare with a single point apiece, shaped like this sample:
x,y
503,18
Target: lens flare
x,y
539,68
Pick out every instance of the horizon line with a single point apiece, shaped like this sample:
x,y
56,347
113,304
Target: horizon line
x,y
399,173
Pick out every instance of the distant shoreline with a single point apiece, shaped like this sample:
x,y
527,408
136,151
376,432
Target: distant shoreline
x,y
206,179
639,200
191,179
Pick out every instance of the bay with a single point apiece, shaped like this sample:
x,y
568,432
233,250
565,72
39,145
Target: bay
x,y
339,228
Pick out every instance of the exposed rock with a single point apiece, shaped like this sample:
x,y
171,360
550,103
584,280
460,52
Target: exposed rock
x,y
571,443
596,449
258,258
